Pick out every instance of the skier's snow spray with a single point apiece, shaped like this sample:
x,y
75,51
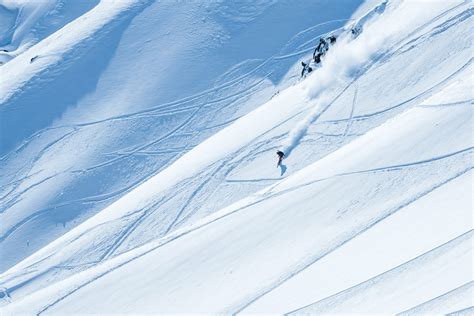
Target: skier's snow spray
x,y
337,66
301,127
343,63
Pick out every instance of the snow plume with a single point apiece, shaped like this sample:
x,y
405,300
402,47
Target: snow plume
x,y
302,126
344,61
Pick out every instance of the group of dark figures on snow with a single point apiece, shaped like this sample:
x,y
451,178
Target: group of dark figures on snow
x,y
318,53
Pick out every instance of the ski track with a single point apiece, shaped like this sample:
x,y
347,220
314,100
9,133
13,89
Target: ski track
x,y
230,168
153,152
380,169
468,285
31,164
230,83
86,200
190,199
229,164
392,51
309,30
17,197
443,105
224,124
206,224
288,148
147,212
126,154
243,93
351,115
253,180
70,53
383,58
139,114
13,185
214,174
392,270
370,66
151,209
9,278
241,307
328,135
123,235
465,311
145,146
407,102
433,32
176,103
15,182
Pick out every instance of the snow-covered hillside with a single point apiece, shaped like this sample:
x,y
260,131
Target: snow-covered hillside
x,y
123,91
138,144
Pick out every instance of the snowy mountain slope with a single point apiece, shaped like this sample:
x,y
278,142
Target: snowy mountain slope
x,y
454,300
134,107
187,269
425,275
414,229
379,159
25,23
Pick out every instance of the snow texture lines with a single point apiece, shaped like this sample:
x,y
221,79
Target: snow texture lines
x,y
464,290
324,305
305,265
351,115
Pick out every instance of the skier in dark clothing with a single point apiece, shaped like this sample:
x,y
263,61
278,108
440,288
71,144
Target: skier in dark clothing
x,y
306,68
281,155
317,58
320,49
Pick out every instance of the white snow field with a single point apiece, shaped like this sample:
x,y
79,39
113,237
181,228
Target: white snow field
x,y
120,93
138,167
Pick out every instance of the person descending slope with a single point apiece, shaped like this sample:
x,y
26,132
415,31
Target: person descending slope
x,y
306,69
320,50
358,27
281,155
323,47
318,53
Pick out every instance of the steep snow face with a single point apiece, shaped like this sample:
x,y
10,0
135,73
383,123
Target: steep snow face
x,y
118,94
20,20
402,223
24,23
374,200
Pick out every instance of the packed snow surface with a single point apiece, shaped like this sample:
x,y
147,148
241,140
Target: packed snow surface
x,y
138,162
